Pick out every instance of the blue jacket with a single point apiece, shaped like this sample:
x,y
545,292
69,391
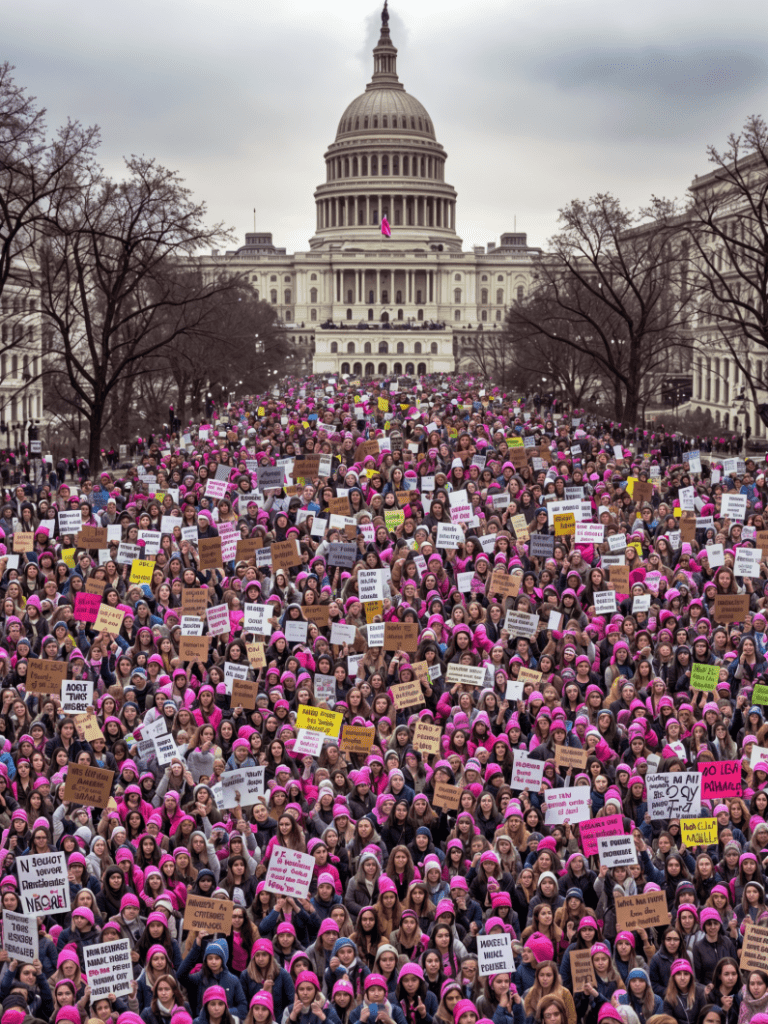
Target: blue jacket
x,y
397,1014
283,990
196,984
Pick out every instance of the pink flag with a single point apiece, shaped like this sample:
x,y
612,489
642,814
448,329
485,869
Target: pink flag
x,y
385,229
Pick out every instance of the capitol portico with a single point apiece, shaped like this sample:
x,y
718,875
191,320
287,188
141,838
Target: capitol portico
x,y
360,303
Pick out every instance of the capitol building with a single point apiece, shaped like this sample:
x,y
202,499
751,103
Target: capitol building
x,y
363,304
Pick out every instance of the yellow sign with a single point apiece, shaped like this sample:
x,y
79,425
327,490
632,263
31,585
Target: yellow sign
x,y
698,831
68,556
565,524
141,570
383,405
515,442
372,609
260,411
319,720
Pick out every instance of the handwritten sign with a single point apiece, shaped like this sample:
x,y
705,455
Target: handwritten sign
x,y
571,805
20,937
446,796
289,872
45,676
616,851
206,915
646,910
87,785
720,780
357,739
527,772
591,831
319,720
698,831
704,677
401,636
674,794
754,951
109,969
494,955
426,737
582,970
407,695
570,757
44,883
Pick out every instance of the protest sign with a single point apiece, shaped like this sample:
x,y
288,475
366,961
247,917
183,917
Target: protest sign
x,y
754,951
465,675
141,571
109,619
617,851
308,743
720,780
646,910
357,739
569,757
45,676
87,607
202,914
370,585
217,617
194,648
76,696
244,693
704,677
449,536
194,601
325,688
89,726
296,631
401,636
527,772
541,545
426,737
21,937
521,624
731,608
494,955
446,796
605,602
504,584
760,695
698,831
289,872
44,883
319,720
165,748
407,695
571,805
591,831
285,554
242,786
515,689
87,785
93,586
70,523
582,970
674,794
109,968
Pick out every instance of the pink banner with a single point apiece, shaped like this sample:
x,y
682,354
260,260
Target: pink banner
x,y
87,607
610,825
721,780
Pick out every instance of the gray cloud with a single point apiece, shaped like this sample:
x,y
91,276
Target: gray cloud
x,y
535,102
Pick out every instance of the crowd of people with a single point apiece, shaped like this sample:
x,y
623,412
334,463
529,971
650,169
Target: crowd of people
x,y
471,507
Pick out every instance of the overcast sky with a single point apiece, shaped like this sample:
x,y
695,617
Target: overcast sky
x,y
536,101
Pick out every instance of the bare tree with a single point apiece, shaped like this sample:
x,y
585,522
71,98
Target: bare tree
x,y
727,224
609,288
119,282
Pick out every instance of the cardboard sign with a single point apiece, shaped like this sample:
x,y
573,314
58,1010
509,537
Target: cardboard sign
x,y
21,937
407,695
357,739
446,796
285,554
76,696
93,586
194,601
527,772
109,968
674,794
244,693
206,915
426,737
209,549
45,676
646,910
582,971
494,955
754,951
698,831
590,831
720,780
570,757
617,851
87,785
571,805
289,872
257,657
89,726
87,607
247,548
319,720
401,636
317,613
109,619
504,584
704,677
23,542
731,608
44,883
194,648
618,579
521,624
465,675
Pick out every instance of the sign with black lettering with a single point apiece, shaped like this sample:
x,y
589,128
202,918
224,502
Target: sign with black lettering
x,y
108,968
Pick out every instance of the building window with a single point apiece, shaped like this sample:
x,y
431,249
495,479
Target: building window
x,y
405,163
500,278
382,369
433,348
273,296
350,348
256,294
374,165
385,165
484,277
354,167
457,294
520,293
417,348
421,369
409,368
313,277
345,367
384,296
400,348
384,121
370,369
313,294
313,314
498,314
370,295
375,120
398,296
484,296
367,348
499,296
273,278
457,277
350,295
357,369
287,296
365,122
395,164
418,296
420,314
485,315
364,165
287,314
349,314
370,314
397,368
383,348
334,347
457,314
287,279
399,314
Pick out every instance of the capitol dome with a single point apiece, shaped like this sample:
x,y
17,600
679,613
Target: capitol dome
x,y
386,162
384,109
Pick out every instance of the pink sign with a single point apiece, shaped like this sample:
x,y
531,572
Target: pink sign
x,y
610,825
87,607
721,780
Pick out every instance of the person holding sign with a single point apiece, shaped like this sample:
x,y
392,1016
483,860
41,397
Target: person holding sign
x,y
213,973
